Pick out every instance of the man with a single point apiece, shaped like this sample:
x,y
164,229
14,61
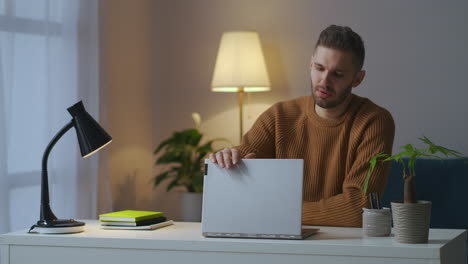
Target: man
x,y
334,131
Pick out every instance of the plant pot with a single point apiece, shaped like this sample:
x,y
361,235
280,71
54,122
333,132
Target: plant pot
x,y
376,222
191,206
411,221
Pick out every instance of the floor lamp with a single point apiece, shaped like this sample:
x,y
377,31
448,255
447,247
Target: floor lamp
x,y
240,67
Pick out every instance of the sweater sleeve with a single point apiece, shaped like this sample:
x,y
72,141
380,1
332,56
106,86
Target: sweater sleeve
x,y
260,139
345,209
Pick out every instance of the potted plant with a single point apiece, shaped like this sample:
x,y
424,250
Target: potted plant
x,y
411,218
182,156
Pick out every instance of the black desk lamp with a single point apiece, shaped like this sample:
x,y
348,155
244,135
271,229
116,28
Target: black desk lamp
x,y
91,137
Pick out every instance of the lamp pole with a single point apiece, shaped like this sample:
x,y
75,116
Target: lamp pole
x,y
47,216
241,104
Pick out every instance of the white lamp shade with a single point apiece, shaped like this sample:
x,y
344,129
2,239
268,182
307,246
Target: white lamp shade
x,y
240,64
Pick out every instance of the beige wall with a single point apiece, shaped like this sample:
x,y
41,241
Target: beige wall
x,y
415,60
415,64
188,35
127,45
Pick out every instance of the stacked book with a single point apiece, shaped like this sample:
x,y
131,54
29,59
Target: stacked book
x,y
133,219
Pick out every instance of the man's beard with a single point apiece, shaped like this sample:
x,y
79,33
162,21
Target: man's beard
x,y
324,103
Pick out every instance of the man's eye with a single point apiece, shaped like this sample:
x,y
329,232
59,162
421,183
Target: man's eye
x,y
318,68
339,75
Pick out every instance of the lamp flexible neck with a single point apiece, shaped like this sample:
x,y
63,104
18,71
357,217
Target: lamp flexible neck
x,y
46,212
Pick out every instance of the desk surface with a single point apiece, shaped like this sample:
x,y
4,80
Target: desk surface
x,y
187,236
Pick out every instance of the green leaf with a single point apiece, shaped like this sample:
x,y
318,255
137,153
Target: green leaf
x,y
426,140
163,144
203,150
183,152
408,149
411,163
433,149
366,182
189,137
169,157
197,183
171,185
373,163
161,177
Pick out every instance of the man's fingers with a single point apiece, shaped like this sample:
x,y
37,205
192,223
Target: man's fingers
x,y
235,156
220,159
227,157
212,157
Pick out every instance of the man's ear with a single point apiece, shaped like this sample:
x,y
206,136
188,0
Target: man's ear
x,y
358,78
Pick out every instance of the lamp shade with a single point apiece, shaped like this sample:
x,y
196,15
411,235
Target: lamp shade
x,y
240,64
91,136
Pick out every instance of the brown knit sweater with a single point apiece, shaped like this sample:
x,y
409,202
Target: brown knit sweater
x,y
336,154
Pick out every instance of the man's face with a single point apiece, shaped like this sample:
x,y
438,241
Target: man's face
x,y
333,75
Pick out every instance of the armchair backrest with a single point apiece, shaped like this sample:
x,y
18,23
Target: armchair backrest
x,y
444,182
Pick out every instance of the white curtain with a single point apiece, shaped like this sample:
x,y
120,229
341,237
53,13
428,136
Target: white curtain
x,y
48,61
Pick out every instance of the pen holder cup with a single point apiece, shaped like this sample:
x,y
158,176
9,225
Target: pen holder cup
x,y
376,222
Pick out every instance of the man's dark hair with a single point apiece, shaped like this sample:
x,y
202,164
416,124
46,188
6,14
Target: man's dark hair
x,y
344,39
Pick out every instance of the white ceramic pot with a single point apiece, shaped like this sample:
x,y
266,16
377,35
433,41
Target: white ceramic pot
x,y
411,221
376,222
191,206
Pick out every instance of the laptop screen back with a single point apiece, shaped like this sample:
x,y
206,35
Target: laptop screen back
x,y
255,197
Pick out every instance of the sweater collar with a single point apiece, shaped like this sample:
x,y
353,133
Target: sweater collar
x,y
319,121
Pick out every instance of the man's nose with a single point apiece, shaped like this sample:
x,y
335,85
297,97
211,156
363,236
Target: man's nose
x,y
325,79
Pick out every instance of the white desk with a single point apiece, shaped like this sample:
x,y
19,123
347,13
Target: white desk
x,y
183,243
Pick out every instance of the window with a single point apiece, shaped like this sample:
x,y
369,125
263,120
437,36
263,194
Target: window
x,y
38,55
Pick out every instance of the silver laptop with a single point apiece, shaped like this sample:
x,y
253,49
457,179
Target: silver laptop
x,y
257,198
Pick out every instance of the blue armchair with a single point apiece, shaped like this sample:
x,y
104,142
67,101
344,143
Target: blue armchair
x,y
444,182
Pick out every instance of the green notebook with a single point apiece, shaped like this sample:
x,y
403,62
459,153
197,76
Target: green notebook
x,y
129,216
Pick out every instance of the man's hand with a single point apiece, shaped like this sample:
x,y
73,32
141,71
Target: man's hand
x,y
229,157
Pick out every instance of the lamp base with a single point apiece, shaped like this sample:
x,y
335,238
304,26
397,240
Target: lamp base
x,y
59,226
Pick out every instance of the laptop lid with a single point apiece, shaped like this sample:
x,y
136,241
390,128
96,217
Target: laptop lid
x,y
257,198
